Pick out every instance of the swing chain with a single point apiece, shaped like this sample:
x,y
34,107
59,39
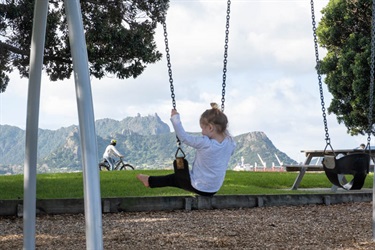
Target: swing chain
x,y
371,75
169,65
327,139
225,56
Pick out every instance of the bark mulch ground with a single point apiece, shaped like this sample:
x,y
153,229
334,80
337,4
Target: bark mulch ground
x,y
341,226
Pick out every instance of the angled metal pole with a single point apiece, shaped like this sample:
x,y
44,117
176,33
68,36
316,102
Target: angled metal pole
x,y
371,121
93,209
32,120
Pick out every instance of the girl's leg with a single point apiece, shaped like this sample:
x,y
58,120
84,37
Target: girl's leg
x,y
175,180
179,180
171,180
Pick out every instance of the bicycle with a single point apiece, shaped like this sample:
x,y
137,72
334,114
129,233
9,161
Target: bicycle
x,y
119,165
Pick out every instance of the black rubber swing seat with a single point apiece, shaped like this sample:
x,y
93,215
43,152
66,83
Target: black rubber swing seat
x,y
356,164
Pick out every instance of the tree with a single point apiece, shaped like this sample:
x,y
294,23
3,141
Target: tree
x,y
119,36
345,31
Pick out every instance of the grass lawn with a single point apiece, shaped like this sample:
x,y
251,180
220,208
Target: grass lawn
x,y
125,184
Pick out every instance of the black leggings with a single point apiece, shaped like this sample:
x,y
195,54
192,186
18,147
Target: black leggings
x,y
177,180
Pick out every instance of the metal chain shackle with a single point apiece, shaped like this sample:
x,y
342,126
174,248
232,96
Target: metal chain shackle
x,y
372,63
327,138
225,56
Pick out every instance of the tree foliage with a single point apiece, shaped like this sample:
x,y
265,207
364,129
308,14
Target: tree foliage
x,y
345,31
119,37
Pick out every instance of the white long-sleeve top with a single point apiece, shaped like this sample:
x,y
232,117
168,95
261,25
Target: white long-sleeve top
x,y
111,151
211,159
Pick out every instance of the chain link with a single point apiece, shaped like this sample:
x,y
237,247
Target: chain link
x,y
225,56
327,138
371,101
169,65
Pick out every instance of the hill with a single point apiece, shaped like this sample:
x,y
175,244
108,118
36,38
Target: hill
x,y
146,141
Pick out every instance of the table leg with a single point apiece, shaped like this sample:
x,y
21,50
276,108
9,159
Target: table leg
x,y
299,178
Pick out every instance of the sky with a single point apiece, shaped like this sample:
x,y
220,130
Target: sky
x,y
271,81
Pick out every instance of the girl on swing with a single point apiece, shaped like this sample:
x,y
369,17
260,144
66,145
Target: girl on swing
x,y
213,151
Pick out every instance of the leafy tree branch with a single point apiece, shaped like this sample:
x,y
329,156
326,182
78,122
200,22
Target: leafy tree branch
x,y
119,36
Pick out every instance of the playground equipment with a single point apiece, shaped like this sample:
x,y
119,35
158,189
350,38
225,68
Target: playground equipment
x,y
92,198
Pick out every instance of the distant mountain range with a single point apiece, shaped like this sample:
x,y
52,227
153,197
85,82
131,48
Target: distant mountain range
x,y
146,141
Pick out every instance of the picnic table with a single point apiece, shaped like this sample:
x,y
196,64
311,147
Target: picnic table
x,y
319,154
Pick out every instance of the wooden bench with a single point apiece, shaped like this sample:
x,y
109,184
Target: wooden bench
x,y
295,168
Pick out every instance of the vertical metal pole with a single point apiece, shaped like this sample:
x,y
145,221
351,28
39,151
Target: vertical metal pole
x,y
93,211
372,61
33,99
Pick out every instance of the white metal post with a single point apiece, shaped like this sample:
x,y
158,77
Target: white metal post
x,y
93,211
32,120
371,108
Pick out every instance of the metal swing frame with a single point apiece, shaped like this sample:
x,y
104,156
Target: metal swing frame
x,y
92,200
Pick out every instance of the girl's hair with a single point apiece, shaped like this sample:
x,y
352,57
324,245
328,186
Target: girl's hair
x,y
215,117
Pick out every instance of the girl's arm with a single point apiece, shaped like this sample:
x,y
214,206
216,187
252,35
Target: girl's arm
x,y
193,141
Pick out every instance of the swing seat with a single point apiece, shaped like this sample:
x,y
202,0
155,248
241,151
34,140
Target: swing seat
x,y
356,164
181,167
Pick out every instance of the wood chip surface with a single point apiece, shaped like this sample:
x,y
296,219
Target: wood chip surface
x,y
341,226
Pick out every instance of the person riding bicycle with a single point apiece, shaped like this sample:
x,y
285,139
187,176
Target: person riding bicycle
x,y
111,152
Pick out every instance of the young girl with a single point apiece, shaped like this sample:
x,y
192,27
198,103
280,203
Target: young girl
x,y
213,151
